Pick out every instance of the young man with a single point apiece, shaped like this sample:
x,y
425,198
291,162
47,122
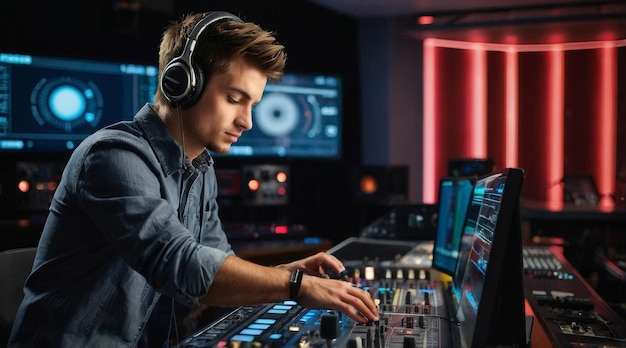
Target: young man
x,y
135,217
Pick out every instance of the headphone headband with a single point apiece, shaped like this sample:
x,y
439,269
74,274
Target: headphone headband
x,y
182,80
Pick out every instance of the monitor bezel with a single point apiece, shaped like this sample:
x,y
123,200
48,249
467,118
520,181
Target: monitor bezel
x,y
500,317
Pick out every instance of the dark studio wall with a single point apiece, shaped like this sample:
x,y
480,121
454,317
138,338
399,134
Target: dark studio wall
x,y
317,41
435,100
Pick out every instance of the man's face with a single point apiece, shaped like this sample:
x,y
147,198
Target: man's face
x,y
224,111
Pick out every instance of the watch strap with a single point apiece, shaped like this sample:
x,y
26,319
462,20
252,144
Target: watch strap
x,y
295,280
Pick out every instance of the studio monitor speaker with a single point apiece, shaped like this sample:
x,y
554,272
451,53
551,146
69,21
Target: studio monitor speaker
x,y
381,184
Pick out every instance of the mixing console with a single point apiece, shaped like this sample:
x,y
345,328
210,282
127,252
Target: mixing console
x,y
541,262
416,306
570,311
412,310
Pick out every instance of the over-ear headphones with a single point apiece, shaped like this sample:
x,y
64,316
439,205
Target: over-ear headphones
x,y
182,81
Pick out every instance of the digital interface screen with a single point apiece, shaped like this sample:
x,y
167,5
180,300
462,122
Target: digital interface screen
x,y
489,192
454,199
298,117
471,219
496,196
53,103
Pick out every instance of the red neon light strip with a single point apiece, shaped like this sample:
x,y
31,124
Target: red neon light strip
x,y
567,46
555,127
429,179
607,149
511,107
476,141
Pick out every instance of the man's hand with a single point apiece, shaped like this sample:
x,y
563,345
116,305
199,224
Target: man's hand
x,y
316,264
356,303
318,291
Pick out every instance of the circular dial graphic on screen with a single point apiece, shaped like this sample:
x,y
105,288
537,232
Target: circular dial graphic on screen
x,y
66,103
277,114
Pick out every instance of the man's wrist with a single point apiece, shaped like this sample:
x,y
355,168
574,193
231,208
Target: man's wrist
x,y
295,281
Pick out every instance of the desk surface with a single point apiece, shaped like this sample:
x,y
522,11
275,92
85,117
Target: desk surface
x,y
538,335
570,211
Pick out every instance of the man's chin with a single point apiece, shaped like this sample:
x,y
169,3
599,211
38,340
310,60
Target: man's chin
x,y
220,151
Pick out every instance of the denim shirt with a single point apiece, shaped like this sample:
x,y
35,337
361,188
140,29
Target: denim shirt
x,y
113,240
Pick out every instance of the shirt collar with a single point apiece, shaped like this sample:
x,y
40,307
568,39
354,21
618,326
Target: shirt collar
x,y
165,147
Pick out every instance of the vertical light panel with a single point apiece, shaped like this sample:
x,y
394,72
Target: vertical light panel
x,y
512,114
550,164
430,148
553,162
607,114
476,140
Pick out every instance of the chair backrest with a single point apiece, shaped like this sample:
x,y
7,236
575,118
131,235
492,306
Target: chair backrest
x,y
15,266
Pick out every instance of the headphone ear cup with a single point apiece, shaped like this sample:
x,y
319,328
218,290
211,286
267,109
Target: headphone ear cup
x,y
176,81
195,92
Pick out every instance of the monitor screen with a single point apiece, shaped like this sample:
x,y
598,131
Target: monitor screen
x,y
454,198
298,117
50,104
493,269
470,166
465,245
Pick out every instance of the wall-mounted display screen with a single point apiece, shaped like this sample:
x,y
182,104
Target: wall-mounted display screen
x,y
50,104
298,117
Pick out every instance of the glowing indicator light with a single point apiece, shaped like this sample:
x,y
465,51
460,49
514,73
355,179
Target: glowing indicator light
x,y
23,186
254,185
52,186
281,176
281,191
369,185
370,273
280,229
425,20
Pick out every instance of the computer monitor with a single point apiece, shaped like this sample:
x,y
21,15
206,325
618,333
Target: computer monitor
x,y
50,104
470,166
465,245
455,194
490,311
299,116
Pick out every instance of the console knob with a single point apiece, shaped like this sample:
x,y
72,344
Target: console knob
x,y
329,328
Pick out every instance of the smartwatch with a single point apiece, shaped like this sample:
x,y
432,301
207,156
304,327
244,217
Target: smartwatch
x,y
295,280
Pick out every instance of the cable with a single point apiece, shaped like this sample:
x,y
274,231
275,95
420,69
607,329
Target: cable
x,y
174,324
180,217
182,139
182,164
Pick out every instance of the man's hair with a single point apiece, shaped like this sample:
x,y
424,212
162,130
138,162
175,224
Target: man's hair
x,y
218,45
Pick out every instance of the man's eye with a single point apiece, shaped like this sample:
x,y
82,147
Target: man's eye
x,y
232,100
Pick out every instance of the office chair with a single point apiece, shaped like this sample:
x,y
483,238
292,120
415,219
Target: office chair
x,y
15,266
